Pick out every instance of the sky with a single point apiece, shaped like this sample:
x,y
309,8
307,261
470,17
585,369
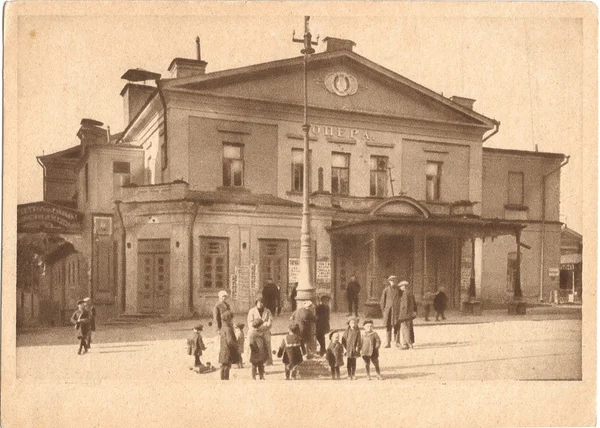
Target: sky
x,y
525,72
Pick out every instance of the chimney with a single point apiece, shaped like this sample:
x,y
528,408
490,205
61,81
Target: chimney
x,y
134,98
335,44
465,102
91,132
184,67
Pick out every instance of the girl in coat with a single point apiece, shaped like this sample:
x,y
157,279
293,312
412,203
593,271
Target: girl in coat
x,y
352,343
408,312
291,350
370,349
259,351
335,355
228,353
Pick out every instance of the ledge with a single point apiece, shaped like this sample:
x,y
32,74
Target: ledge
x,y
378,144
336,140
516,207
294,136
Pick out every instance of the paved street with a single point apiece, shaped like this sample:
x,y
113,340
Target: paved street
x,y
542,345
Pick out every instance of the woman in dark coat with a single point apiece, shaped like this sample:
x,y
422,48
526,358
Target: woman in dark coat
x,y
390,307
408,312
322,322
228,353
440,303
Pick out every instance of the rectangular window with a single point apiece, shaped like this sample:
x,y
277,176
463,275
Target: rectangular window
x,y
214,266
515,188
297,170
340,173
121,176
379,176
433,173
233,165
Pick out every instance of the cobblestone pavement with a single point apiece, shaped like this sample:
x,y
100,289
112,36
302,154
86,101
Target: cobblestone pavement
x,y
541,345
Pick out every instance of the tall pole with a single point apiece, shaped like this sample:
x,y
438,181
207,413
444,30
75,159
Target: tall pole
x,y
306,289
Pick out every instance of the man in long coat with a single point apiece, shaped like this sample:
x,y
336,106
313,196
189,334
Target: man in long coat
x,y
408,312
390,308
220,308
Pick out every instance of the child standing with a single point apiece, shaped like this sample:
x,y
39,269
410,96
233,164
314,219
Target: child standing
x,y
291,350
239,337
335,355
259,351
322,322
81,319
370,348
196,345
352,343
228,352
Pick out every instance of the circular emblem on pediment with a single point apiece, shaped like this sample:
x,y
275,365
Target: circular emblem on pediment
x,y
342,84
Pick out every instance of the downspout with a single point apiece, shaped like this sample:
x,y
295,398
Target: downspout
x,y
497,125
191,260
123,258
44,168
161,94
544,178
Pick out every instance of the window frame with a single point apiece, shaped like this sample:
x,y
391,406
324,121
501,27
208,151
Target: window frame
x,y
204,242
229,161
437,182
520,174
342,169
376,171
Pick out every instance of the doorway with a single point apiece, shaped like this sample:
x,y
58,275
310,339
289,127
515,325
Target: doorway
x,y
153,275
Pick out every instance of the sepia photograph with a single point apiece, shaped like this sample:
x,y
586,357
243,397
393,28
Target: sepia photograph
x,y
354,198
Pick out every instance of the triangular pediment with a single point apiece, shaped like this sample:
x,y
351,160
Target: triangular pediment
x,y
341,81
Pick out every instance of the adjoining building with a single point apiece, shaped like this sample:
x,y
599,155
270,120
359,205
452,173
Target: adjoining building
x,y
202,190
571,267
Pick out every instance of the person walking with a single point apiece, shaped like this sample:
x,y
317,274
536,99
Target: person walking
x,y
228,352
89,305
322,322
390,308
81,319
440,303
221,307
408,312
352,292
293,294
270,296
259,311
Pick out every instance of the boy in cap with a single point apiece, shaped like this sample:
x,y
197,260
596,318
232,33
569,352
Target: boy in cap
x,y
196,345
259,351
370,348
291,350
239,336
81,319
352,344
322,323
335,355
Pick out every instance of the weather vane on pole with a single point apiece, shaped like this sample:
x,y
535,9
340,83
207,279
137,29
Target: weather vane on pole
x,y
307,40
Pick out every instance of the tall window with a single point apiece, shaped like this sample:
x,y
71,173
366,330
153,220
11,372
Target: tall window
x,y
297,170
433,172
233,165
340,173
515,188
214,267
379,176
121,176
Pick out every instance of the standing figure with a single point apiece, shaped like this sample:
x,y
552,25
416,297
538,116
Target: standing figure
x,y
440,303
428,302
291,352
81,319
293,294
352,292
92,311
390,307
370,349
305,319
270,296
278,308
221,307
196,345
228,352
352,343
259,352
260,312
322,322
239,337
408,312
335,355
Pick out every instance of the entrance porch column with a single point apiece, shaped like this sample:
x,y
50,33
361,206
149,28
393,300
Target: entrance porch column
x,y
472,306
517,307
372,308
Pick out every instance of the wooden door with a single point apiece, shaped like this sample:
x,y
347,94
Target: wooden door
x,y
153,275
274,264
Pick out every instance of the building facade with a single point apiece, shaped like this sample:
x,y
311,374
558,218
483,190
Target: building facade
x,y
202,190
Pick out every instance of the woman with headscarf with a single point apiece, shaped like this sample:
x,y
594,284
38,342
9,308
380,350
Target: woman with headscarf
x,y
259,311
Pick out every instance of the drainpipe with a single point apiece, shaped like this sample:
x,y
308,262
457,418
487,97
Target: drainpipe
x,y
544,178
123,258
191,260
161,94
497,125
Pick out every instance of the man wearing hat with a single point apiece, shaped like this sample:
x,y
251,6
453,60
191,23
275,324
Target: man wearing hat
x,y
220,308
408,312
81,319
390,308
305,318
